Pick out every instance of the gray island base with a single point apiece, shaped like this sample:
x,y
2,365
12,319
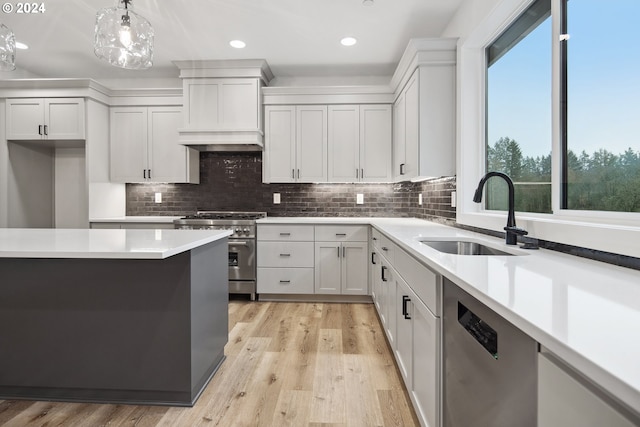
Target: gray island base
x,y
139,331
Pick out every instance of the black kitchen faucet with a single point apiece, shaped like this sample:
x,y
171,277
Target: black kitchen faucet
x,y
512,231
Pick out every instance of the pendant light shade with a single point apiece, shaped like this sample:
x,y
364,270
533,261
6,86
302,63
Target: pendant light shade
x,y
123,38
7,49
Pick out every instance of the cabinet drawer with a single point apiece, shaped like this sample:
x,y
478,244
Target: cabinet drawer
x,y
340,233
424,282
285,281
292,233
388,249
375,238
285,254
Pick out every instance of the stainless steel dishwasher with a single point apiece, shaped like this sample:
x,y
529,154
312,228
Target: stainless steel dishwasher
x,y
490,366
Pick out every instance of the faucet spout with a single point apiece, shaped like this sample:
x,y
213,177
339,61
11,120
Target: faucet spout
x,y
512,231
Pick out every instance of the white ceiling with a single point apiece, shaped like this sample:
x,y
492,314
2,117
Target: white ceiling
x,y
296,37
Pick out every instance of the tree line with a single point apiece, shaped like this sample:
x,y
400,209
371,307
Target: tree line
x,y
598,181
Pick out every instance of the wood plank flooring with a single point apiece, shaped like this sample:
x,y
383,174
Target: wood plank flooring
x,y
288,364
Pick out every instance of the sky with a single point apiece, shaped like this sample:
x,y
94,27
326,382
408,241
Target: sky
x,y
604,82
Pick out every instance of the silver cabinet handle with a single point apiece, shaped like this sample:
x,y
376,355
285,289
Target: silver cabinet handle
x,y
238,243
285,234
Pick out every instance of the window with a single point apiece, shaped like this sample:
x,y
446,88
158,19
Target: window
x,y
602,85
599,109
519,111
579,181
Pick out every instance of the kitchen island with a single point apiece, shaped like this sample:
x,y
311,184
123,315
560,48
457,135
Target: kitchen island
x,y
128,316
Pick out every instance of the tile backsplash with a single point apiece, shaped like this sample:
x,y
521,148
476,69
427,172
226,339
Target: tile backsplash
x,y
233,181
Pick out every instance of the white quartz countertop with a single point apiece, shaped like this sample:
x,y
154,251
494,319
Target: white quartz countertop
x,y
102,244
134,219
586,312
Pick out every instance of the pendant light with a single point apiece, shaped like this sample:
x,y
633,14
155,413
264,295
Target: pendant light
x,y
7,49
123,38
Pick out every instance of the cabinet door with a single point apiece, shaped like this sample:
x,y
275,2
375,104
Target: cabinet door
x,y
168,160
404,335
354,275
375,143
328,260
374,278
64,118
412,128
239,104
311,144
25,119
389,302
567,400
399,143
425,381
202,98
280,141
128,144
344,140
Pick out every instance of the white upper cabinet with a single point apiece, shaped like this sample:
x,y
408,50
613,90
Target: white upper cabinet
x,y
375,143
296,144
311,143
45,118
145,148
328,143
359,143
280,152
344,143
213,103
424,111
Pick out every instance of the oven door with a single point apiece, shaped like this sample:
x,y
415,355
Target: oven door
x,y
242,259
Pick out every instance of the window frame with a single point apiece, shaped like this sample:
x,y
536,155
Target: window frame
x,y
615,232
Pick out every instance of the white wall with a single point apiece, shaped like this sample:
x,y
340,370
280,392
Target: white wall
x,y
468,17
30,186
106,199
71,194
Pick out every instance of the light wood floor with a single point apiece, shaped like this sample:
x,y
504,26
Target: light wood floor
x,y
288,364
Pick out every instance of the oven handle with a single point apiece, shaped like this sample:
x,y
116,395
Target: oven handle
x,y
241,243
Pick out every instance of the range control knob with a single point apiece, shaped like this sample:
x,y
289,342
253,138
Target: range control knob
x,y
245,230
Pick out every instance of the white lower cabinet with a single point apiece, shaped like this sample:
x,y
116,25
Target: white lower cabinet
x,y
404,291
312,259
341,268
566,400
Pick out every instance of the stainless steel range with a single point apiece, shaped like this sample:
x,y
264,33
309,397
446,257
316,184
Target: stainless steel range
x,y
242,243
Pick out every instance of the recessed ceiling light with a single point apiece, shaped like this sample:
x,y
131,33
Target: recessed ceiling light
x,y
20,45
367,2
348,41
238,44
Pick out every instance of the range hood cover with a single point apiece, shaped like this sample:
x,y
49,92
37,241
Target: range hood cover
x,y
223,104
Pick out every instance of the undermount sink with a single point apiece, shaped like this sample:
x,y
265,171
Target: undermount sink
x,y
463,247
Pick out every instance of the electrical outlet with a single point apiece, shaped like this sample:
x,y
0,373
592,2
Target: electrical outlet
x,y
420,199
453,199
158,198
276,198
359,199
